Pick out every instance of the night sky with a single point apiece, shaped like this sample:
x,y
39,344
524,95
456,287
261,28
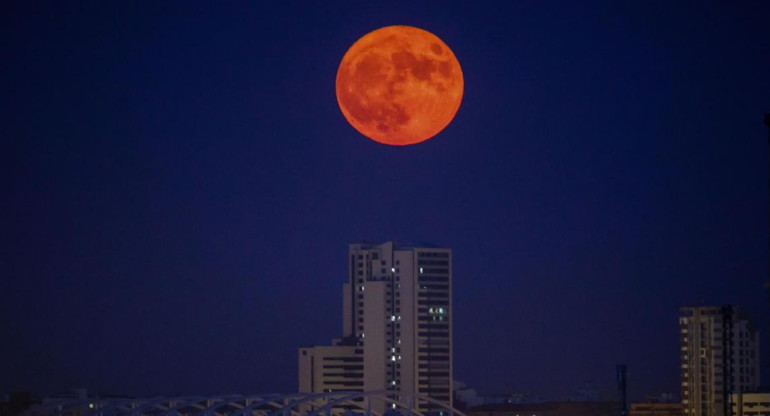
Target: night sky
x,y
179,188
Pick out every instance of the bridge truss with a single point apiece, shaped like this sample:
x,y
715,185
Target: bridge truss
x,y
297,404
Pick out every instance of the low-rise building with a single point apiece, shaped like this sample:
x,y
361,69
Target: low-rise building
x,y
656,409
751,404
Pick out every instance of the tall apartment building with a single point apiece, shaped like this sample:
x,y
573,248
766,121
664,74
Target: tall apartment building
x,y
719,357
397,327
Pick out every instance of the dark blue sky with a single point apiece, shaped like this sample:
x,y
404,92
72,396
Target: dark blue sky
x,y
179,188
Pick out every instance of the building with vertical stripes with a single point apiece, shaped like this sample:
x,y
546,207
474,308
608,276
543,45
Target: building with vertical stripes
x,y
397,327
719,358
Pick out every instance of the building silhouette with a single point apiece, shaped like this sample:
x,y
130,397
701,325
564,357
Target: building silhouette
x,y
397,327
719,357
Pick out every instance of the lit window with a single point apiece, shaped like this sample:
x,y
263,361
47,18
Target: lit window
x,y
393,269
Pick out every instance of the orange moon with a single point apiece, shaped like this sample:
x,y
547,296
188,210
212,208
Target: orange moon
x,y
399,85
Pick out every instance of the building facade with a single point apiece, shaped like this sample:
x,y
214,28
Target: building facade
x,y
654,408
751,404
719,357
397,327
328,368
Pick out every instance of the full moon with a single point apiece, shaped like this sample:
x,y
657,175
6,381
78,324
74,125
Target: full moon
x,y
399,85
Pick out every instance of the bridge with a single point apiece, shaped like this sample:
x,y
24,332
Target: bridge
x,y
298,404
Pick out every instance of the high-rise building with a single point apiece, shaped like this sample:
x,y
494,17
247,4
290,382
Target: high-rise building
x,y
719,357
397,327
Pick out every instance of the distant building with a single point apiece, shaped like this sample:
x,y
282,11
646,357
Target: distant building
x,y
465,397
331,368
751,404
719,356
397,328
655,409
547,409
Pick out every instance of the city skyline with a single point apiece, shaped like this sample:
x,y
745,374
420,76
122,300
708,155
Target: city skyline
x,y
180,189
